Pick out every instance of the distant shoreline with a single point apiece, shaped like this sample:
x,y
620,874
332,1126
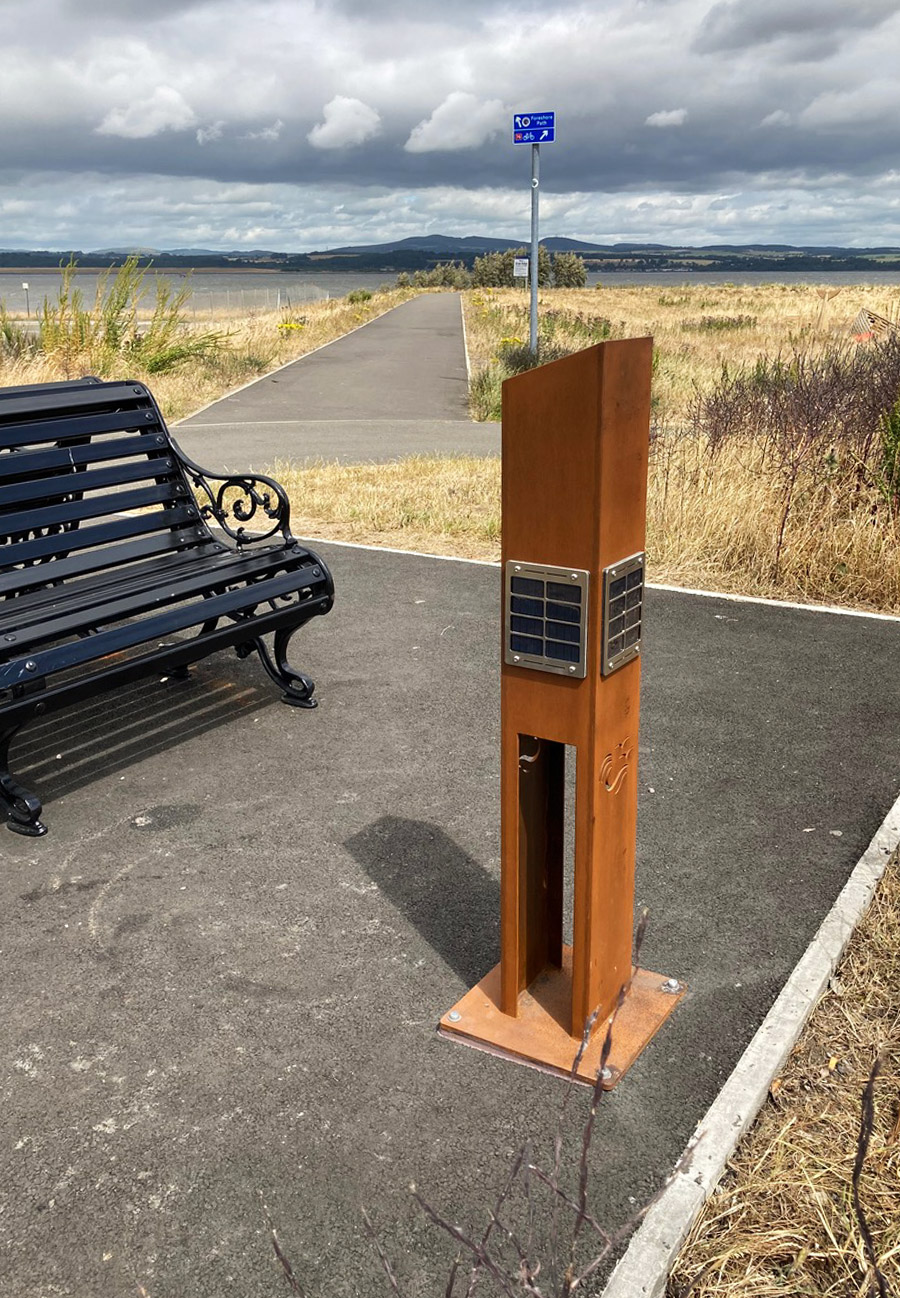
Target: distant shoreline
x,y
161,270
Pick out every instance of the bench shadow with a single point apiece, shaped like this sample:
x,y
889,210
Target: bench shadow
x,y
98,737
445,893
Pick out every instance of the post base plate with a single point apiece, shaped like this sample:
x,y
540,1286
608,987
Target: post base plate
x,y
540,1034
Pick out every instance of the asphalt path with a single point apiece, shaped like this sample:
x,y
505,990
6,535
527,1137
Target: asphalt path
x,y
394,387
224,966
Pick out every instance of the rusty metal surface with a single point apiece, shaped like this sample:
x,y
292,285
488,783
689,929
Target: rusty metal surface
x,y
539,1034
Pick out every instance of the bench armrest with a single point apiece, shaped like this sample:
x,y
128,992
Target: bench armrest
x,y
237,499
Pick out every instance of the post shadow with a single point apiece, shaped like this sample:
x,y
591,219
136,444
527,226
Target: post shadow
x,y
442,891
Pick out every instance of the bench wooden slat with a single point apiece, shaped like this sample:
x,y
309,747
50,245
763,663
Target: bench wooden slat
x,y
167,589
117,475
206,567
124,551
79,510
98,424
138,525
20,465
58,402
74,654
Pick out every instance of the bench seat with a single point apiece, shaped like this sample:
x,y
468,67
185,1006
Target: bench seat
x,y
110,570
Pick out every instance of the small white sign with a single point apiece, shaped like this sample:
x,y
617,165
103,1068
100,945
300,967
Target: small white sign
x,y
520,267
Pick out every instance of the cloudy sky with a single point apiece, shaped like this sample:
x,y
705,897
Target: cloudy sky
x,y
301,124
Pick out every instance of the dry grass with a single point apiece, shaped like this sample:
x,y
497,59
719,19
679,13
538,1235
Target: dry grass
x,y
696,328
782,1222
442,505
250,346
710,523
714,522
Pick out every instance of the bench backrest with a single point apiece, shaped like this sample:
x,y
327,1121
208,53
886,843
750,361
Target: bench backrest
x,y
89,480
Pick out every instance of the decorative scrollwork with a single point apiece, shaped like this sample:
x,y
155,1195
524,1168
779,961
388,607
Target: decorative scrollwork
x,y
239,500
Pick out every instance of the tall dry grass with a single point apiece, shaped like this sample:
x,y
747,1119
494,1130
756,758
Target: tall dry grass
x,y
696,328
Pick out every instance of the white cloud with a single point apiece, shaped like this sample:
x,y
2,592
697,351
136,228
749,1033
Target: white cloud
x,y
778,118
668,117
267,133
212,132
877,101
347,122
164,110
461,122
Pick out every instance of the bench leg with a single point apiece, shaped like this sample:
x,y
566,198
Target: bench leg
x,y
298,689
21,808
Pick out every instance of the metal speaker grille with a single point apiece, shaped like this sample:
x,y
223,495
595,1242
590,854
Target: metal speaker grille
x,y
623,609
546,618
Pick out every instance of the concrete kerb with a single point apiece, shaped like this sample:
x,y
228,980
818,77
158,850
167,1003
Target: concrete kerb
x,y
643,1270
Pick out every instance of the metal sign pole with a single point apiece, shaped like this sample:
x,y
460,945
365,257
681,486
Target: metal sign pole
x,y
535,193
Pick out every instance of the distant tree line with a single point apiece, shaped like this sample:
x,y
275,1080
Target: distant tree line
x,y
495,270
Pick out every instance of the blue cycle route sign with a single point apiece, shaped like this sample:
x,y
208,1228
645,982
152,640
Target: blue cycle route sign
x,y
534,128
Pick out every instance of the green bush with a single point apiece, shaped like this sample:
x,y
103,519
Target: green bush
x,y
568,270
495,269
358,295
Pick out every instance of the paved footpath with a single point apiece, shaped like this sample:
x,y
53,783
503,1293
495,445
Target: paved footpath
x,y
224,965
394,387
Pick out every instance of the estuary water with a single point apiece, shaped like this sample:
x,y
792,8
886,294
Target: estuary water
x,y
247,291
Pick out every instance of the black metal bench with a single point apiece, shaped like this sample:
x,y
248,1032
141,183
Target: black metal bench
x,y
109,570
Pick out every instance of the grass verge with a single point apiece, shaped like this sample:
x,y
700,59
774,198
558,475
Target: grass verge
x,y
713,522
782,1220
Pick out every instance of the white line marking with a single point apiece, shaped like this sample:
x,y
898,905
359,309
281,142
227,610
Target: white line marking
x,y
776,603
652,585
462,316
342,423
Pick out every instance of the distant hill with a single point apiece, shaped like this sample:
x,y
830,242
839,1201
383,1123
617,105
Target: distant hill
x,y
423,252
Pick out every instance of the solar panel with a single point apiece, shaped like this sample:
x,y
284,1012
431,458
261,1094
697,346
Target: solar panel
x,y
546,618
623,609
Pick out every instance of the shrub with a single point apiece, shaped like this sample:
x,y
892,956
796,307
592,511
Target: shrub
x,y
100,336
495,269
827,425
568,270
358,295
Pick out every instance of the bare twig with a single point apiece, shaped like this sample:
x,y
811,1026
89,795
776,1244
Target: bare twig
x,y
286,1267
473,1246
388,1270
517,1164
866,1125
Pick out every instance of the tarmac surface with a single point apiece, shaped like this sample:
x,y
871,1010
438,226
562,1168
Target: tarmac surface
x,y
224,966
396,386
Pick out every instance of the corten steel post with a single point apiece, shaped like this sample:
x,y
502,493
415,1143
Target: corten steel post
x,y
575,451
